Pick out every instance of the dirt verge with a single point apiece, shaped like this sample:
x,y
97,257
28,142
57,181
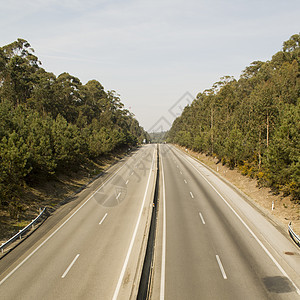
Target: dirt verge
x,y
52,193
285,210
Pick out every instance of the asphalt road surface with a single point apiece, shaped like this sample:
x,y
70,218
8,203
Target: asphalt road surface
x,y
96,250
211,244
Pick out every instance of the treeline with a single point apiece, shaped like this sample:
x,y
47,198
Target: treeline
x,y
252,123
49,124
157,137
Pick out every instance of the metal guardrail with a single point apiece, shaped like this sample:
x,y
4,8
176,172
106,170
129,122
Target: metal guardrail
x,y
21,232
293,235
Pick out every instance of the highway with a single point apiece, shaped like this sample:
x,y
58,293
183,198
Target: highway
x,y
96,251
211,244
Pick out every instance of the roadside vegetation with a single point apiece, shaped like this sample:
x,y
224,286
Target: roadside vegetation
x,y
53,125
157,137
252,123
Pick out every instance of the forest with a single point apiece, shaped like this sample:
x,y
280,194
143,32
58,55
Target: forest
x,y
157,137
253,123
51,124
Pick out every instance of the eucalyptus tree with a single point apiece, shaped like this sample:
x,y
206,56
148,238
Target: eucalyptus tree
x,y
253,122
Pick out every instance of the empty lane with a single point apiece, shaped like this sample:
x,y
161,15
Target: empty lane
x,y
209,252
94,252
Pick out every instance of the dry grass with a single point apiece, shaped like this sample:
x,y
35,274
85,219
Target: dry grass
x,y
51,193
285,209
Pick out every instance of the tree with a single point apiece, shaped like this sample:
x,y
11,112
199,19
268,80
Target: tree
x,y
14,167
17,76
49,124
284,153
253,122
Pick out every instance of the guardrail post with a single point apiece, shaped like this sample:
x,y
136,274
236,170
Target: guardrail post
x,y
19,234
293,235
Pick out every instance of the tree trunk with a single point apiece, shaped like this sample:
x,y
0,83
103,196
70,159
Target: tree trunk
x,y
212,130
268,129
259,150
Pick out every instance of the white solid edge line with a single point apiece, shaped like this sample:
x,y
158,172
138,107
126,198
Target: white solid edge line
x,y
70,266
117,290
103,219
221,267
201,217
54,232
248,228
163,259
191,194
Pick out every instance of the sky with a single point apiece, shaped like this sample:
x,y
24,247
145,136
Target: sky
x,y
157,54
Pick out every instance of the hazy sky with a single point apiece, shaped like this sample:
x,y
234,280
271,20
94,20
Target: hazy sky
x,y
156,54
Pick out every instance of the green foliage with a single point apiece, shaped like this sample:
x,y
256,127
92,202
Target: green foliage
x,y
252,123
284,153
158,137
13,168
51,124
